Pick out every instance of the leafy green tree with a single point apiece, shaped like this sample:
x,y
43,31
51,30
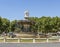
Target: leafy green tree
x,y
13,25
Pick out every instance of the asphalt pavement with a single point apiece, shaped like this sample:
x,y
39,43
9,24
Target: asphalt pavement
x,y
57,44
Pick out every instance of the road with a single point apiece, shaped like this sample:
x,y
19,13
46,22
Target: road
x,y
57,44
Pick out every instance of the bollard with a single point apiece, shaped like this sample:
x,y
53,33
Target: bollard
x,y
4,40
33,40
18,40
47,40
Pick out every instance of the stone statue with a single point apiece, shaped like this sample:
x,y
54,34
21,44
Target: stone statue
x,y
26,14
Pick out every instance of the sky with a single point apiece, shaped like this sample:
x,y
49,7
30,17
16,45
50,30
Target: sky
x,y
14,9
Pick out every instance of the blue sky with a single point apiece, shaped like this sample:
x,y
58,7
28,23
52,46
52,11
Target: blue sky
x,y
14,9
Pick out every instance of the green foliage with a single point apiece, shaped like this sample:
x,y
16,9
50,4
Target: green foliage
x,y
42,24
46,24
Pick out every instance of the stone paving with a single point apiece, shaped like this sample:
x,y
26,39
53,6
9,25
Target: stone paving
x,y
57,44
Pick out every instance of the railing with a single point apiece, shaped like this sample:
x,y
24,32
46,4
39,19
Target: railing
x,y
28,40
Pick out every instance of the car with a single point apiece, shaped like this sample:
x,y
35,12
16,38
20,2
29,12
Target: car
x,y
11,34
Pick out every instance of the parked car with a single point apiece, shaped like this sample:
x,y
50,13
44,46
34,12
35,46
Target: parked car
x,y
58,33
11,34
